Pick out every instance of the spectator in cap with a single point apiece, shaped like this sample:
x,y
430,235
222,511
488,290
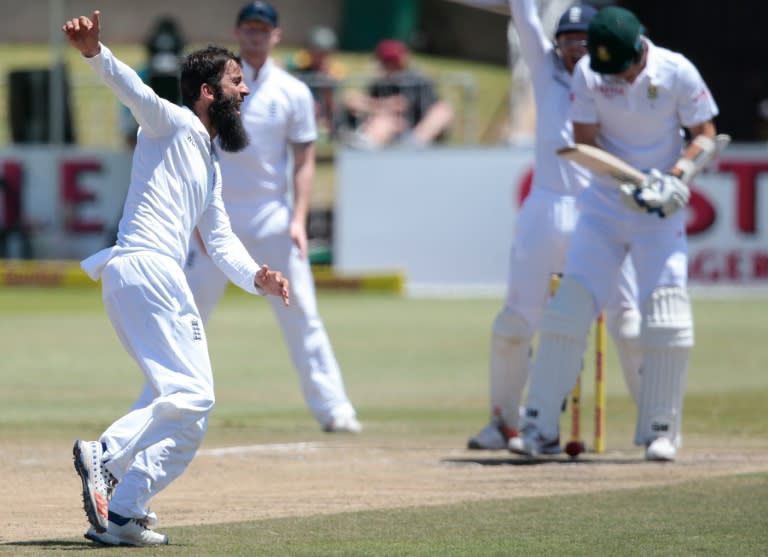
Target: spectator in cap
x,y
267,191
315,66
401,105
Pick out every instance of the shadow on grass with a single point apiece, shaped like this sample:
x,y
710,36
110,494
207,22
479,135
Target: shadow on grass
x,y
53,544
529,461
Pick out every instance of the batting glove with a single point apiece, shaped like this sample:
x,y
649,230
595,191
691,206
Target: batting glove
x,y
661,194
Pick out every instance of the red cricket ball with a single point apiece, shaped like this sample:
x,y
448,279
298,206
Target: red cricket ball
x,y
574,448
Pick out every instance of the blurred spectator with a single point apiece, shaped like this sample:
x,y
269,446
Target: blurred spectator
x,y
315,66
401,105
164,44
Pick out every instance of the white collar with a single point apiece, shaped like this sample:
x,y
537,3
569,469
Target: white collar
x,y
251,75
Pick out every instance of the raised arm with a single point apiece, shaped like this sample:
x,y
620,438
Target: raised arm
x,y
534,44
154,114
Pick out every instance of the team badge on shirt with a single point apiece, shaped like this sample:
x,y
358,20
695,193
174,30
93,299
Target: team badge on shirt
x,y
196,330
653,92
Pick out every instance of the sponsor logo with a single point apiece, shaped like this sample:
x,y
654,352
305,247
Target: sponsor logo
x,y
701,95
610,91
574,14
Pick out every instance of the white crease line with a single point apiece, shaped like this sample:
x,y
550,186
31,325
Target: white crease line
x,y
280,447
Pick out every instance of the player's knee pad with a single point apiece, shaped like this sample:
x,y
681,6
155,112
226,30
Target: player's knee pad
x,y
571,311
624,323
667,319
510,324
667,337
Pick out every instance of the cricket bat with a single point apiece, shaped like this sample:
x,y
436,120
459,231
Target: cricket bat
x,y
603,162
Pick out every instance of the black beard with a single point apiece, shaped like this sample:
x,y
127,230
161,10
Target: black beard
x,y
227,123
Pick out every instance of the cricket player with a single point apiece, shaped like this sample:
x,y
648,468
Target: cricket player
x,y
279,118
633,99
175,187
543,228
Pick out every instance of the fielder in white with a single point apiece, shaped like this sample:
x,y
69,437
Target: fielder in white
x,y
279,118
544,227
175,187
633,99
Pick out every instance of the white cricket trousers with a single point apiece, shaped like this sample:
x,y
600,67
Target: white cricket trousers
x,y
264,233
153,312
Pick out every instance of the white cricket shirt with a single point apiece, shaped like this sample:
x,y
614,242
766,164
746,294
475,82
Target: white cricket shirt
x,y
175,183
641,122
278,111
551,87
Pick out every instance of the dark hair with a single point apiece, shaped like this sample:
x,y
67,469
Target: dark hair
x,y
206,65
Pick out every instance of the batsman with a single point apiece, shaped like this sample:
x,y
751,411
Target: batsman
x,y
633,99
543,229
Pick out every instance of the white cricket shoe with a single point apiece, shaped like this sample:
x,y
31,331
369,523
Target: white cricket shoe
x,y
345,424
133,532
531,443
661,450
493,437
98,483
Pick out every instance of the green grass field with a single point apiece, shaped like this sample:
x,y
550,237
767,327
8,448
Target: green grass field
x,y
416,371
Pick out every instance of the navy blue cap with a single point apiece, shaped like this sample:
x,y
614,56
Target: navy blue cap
x,y
575,19
258,11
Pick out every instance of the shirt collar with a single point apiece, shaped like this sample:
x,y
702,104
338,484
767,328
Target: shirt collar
x,y
250,73
651,60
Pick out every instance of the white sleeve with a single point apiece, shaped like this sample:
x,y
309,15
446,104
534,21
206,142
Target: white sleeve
x,y
582,107
303,128
224,247
534,44
696,104
154,114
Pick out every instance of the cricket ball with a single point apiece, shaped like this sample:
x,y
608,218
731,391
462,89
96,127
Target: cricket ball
x,y
574,448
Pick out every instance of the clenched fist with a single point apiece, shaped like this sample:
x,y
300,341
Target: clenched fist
x,y
83,34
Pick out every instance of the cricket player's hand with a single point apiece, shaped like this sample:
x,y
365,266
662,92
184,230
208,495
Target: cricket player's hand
x,y
661,194
274,283
83,34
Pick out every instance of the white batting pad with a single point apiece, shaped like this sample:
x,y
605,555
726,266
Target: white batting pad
x,y
509,363
508,375
667,319
562,342
667,338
